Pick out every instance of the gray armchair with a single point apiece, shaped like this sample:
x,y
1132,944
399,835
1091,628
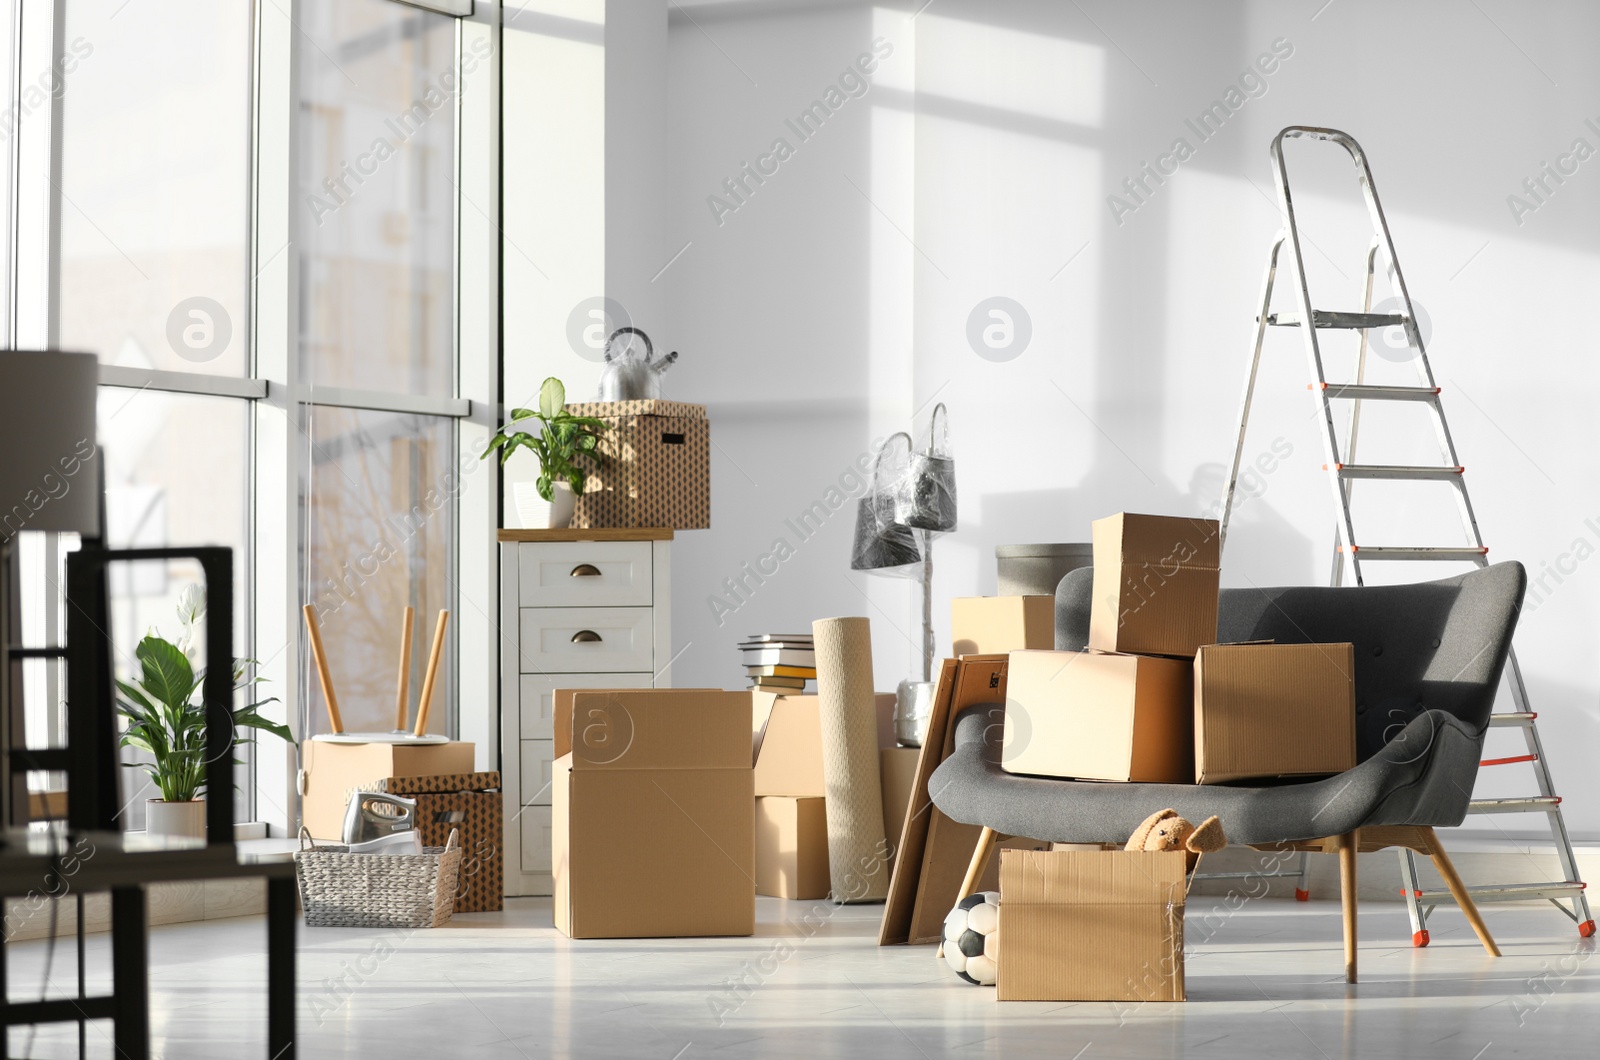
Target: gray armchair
x,y
1428,662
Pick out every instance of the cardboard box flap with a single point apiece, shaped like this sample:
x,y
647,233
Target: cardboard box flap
x,y
1161,540
627,729
640,407
1030,877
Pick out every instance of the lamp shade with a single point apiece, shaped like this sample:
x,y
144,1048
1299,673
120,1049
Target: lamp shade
x,y
49,463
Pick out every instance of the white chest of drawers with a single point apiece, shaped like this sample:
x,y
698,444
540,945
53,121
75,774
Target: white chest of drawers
x,y
578,609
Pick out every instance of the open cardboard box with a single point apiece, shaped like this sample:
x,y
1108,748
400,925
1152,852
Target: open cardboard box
x,y
653,813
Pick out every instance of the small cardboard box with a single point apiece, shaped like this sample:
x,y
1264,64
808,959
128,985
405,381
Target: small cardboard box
x,y
1091,926
1097,716
792,847
469,803
655,467
994,625
788,743
653,814
1273,710
1155,585
333,771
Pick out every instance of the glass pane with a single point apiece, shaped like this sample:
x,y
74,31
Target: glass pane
x,y
155,183
379,500
177,468
377,228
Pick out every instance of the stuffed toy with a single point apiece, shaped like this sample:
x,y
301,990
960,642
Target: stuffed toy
x,y
1167,831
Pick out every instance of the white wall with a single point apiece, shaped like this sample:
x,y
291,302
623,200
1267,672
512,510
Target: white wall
x,y
835,300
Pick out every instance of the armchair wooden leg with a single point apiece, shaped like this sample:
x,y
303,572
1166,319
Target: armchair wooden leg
x,y
1458,891
980,858
1347,894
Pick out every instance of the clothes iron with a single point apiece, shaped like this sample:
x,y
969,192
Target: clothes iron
x,y
366,819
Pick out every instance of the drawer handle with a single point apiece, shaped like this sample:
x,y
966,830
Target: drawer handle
x,y
586,636
585,570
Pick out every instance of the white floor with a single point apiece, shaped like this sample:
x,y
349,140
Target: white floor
x,y
1268,981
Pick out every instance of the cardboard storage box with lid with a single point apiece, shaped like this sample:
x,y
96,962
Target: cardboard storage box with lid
x,y
653,813
1273,710
469,803
332,772
1155,584
1091,925
1099,716
994,625
655,468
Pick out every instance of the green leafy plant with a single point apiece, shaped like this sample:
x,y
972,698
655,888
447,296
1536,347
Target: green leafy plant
x,y
165,713
563,441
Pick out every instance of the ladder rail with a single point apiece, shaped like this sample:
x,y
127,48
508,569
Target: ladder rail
x,y
1267,282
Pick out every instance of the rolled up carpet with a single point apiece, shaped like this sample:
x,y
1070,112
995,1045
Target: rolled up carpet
x,y
858,852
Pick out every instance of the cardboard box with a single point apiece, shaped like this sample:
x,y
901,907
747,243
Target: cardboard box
x,y
1273,710
792,847
1155,584
469,803
1091,926
1097,716
994,625
655,468
653,813
333,771
788,743
897,772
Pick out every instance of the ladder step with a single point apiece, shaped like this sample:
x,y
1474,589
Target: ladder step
x,y
1368,392
1514,892
1532,804
1521,719
1400,471
1331,318
1468,555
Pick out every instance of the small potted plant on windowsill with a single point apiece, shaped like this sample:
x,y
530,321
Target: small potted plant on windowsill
x,y
166,717
564,444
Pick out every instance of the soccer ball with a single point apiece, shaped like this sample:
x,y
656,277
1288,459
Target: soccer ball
x,y
972,937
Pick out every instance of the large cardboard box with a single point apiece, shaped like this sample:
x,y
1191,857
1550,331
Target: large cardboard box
x,y
787,740
1155,584
1273,710
994,625
334,771
792,847
1098,716
655,468
469,803
653,813
1091,926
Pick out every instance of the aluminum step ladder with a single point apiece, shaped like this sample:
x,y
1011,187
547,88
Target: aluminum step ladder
x,y
1349,551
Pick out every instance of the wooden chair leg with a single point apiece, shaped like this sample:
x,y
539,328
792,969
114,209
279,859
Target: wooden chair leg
x,y
1348,844
980,858
1458,891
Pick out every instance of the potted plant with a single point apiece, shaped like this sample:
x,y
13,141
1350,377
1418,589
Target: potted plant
x,y
166,717
563,445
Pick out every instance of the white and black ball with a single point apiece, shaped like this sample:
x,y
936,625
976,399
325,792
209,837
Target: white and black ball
x,y
972,937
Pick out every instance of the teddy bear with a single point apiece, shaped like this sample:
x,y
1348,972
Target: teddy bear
x,y
1165,830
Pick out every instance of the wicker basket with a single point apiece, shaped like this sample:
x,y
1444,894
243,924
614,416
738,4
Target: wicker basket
x,y
340,889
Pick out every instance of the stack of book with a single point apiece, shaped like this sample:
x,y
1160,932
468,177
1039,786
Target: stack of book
x,y
779,662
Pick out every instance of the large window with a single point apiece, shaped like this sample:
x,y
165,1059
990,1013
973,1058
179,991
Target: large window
x,y
250,212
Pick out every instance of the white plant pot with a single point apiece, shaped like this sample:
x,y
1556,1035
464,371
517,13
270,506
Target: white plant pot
x,y
536,513
175,820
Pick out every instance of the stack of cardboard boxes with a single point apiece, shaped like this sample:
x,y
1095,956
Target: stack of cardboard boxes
x,y
1154,699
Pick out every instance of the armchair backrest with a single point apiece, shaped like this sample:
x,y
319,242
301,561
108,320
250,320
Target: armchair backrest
x,y
1438,645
